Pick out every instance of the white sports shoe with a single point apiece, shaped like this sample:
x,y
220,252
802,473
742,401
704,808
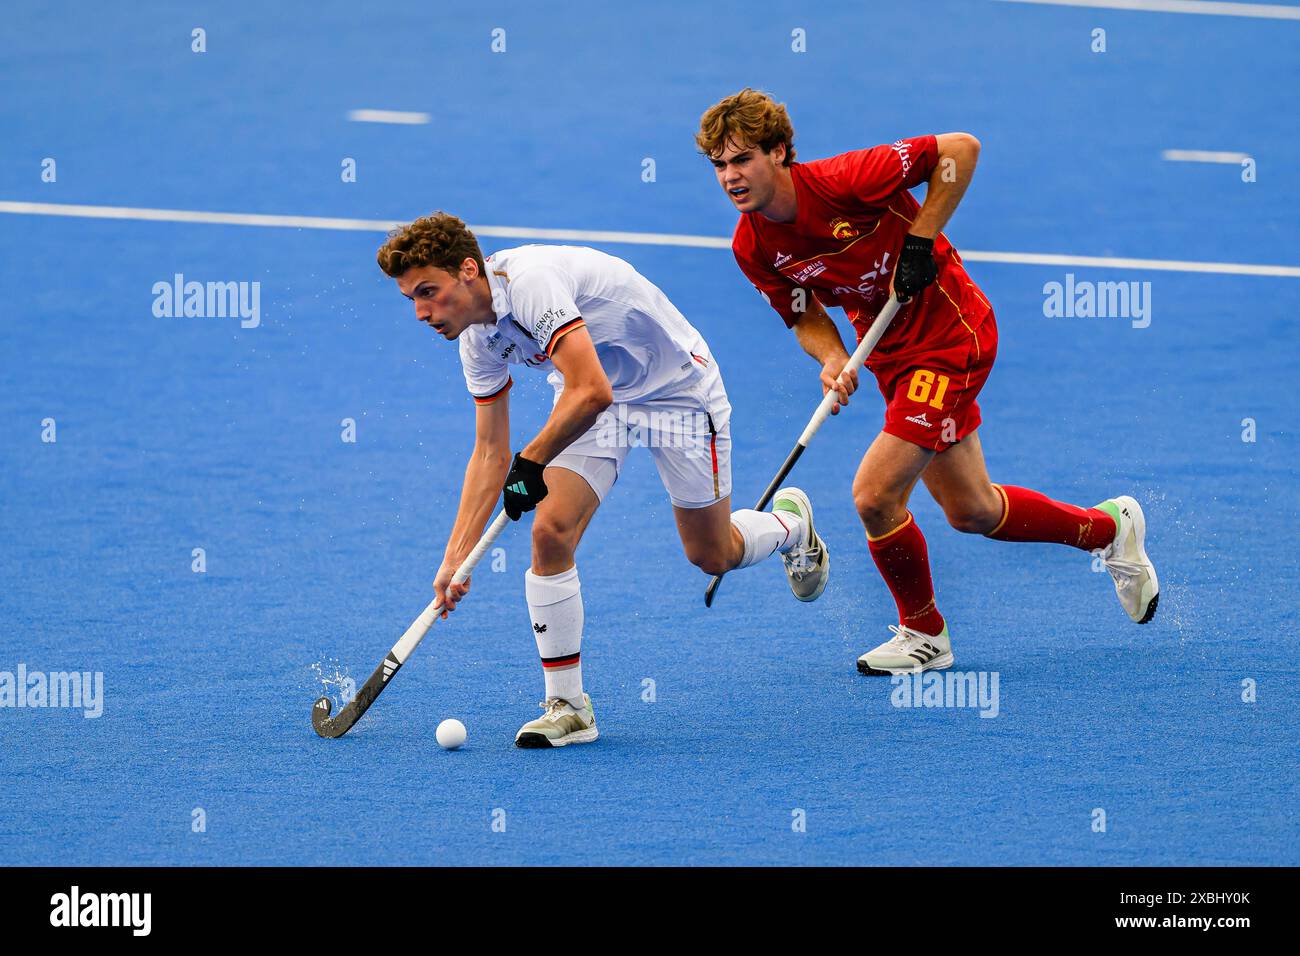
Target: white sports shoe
x,y
1126,559
808,563
559,725
907,652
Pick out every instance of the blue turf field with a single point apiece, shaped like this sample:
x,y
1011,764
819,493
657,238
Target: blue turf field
x,y
176,433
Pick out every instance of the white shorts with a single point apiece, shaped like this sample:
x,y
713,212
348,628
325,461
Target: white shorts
x,y
689,436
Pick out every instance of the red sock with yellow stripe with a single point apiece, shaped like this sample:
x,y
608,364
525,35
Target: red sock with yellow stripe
x,y
1030,516
904,563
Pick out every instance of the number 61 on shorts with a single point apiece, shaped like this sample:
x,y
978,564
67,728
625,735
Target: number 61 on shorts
x,y
923,383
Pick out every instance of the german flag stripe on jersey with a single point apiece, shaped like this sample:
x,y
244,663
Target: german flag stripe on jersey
x,y
489,399
713,448
565,329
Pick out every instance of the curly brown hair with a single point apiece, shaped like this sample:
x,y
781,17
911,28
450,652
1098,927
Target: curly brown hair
x,y
441,240
748,117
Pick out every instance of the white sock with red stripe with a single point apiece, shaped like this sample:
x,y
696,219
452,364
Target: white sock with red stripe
x,y
765,533
555,603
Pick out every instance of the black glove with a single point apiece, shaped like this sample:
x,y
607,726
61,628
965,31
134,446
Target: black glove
x,y
524,487
916,268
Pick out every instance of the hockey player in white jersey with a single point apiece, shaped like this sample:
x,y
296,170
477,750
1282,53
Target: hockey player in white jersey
x,y
627,369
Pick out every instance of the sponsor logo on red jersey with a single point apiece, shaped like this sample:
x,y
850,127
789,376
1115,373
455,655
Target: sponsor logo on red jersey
x,y
901,148
868,288
810,271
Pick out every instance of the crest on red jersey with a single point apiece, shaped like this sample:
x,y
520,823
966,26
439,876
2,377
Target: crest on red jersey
x,y
843,230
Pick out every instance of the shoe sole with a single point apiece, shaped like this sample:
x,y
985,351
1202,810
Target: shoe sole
x,y
940,663
1149,604
806,504
534,741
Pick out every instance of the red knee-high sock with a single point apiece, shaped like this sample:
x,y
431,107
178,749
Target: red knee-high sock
x,y
904,563
1029,516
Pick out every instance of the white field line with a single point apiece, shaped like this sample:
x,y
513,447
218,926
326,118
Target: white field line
x,y
1113,262
1263,11
1204,156
388,116
599,236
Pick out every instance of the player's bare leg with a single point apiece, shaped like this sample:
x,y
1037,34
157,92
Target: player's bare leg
x,y
1116,528
555,605
561,519
711,542
883,485
959,482
884,482
717,540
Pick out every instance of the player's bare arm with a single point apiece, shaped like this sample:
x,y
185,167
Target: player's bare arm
x,y
485,472
820,338
586,394
957,155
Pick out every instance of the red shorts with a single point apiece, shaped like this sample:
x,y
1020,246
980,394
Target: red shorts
x,y
930,396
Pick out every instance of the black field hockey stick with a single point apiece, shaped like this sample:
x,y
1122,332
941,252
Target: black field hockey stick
x,y
328,726
823,412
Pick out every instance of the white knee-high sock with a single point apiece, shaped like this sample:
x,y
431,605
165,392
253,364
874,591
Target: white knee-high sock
x,y
765,533
555,603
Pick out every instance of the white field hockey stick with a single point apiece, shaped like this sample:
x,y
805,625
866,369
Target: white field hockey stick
x,y
823,412
328,726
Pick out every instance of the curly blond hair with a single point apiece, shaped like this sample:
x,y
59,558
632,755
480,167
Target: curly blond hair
x,y
748,117
441,240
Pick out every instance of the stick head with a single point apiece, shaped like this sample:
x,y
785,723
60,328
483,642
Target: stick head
x,y
711,590
320,716
322,723
340,724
